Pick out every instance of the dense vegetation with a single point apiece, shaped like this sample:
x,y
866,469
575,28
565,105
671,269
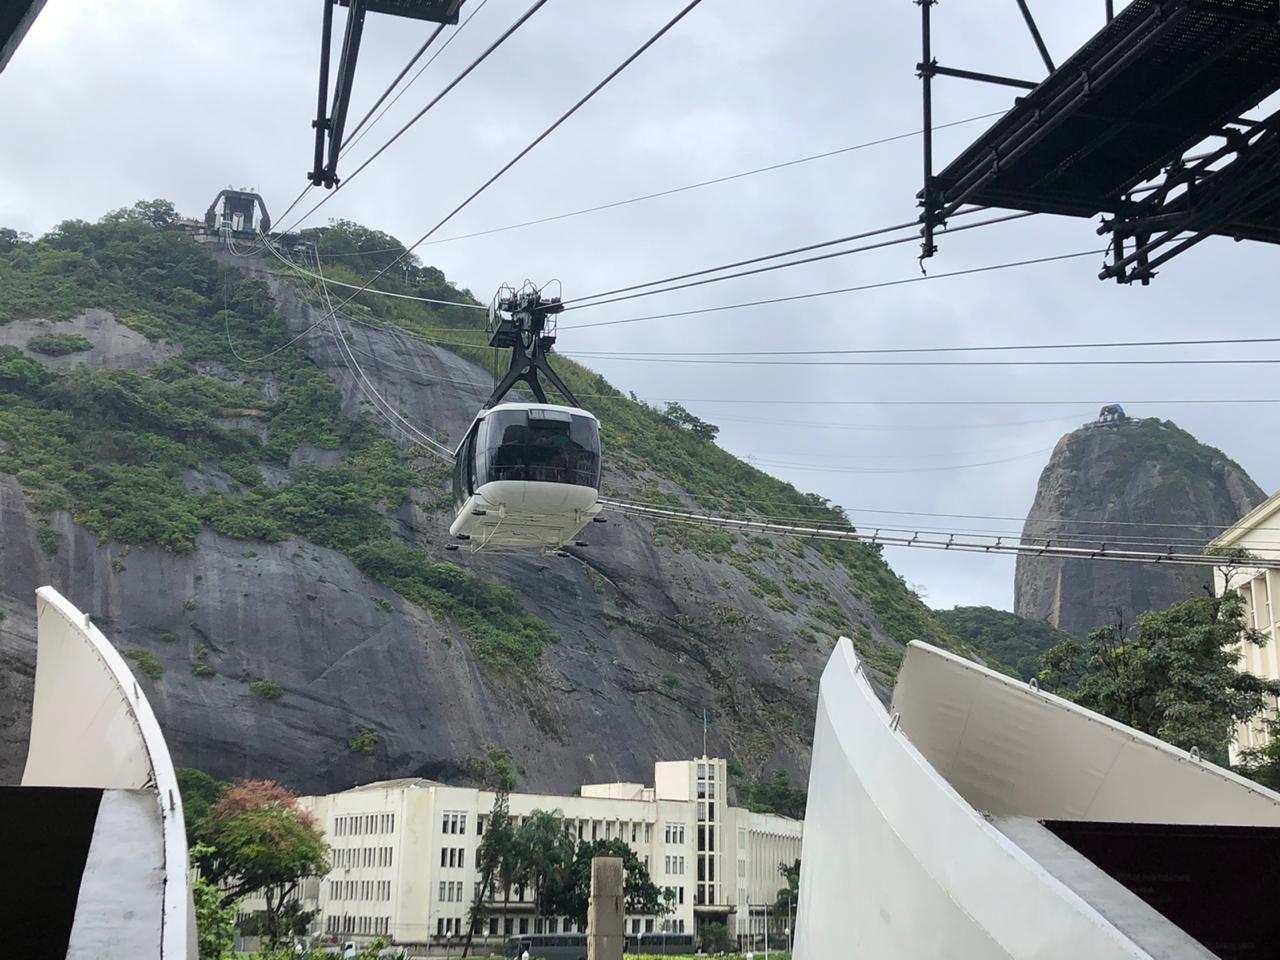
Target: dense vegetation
x,y
59,344
1006,641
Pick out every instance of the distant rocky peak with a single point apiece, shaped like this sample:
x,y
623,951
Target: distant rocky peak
x,y
1144,483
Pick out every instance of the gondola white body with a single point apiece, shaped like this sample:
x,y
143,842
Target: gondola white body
x,y
527,475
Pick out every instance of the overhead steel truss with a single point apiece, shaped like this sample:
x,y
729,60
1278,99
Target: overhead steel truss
x,y
330,123
1143,125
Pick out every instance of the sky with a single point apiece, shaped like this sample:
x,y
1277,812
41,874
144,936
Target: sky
x,y
105,105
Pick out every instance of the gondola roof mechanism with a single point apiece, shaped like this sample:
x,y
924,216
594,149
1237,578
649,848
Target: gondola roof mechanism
x,y
1145,125
524,321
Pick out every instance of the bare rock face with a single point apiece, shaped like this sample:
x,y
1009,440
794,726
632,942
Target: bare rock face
x,y
113,345
1143,484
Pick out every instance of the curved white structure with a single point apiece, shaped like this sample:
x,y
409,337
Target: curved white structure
x,y
952,826
92,729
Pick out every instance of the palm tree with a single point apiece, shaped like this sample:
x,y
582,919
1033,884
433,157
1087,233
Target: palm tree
x,y
545,852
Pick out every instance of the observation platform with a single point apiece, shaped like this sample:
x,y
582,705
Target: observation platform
x,y
1124,110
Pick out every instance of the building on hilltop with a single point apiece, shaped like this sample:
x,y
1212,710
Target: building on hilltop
x,y
1257,532
404,856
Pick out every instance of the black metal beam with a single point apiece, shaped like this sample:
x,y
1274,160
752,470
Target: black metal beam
x,y
1035,35
1058,110
321,123
342,87
16,17
926,67
995,78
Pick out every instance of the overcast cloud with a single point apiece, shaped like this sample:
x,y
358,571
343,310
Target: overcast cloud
x,y
107,104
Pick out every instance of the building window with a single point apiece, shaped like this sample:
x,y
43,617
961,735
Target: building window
x,y
648,833
595,831
633,832
702,771
442,887
453,856
648,926
553,925
524,925
462,854
493,926
479,826
508,926
444,823
444,856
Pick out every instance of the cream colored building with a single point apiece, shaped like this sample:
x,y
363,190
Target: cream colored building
x,y
404,855
1259,533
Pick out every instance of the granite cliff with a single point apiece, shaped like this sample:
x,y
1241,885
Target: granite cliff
x,y
1146,484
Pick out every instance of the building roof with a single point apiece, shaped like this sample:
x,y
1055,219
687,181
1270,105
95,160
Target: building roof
x,y
1264,511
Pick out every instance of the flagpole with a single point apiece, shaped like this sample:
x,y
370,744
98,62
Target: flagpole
x,y
704,733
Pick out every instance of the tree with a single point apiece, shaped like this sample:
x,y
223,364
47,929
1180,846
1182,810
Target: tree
x,y
678,415
573,895
215,921
545,852
788,899
496,849
773,794
10,238
1262,764
1175,678
199,791
262,841
715,938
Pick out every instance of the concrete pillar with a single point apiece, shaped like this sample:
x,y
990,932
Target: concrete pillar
x,y
606,932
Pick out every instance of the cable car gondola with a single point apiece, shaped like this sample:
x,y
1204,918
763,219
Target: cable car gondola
x,y
526,475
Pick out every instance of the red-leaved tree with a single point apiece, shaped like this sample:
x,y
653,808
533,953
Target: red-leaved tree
x,y
262,841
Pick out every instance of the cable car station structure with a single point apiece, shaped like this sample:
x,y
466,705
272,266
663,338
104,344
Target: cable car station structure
x,y
1143,125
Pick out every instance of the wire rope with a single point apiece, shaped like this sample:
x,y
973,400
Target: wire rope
x,y
586,98
879,285
484,55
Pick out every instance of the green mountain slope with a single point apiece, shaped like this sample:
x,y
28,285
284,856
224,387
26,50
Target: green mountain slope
x,y
205,422
1006,641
